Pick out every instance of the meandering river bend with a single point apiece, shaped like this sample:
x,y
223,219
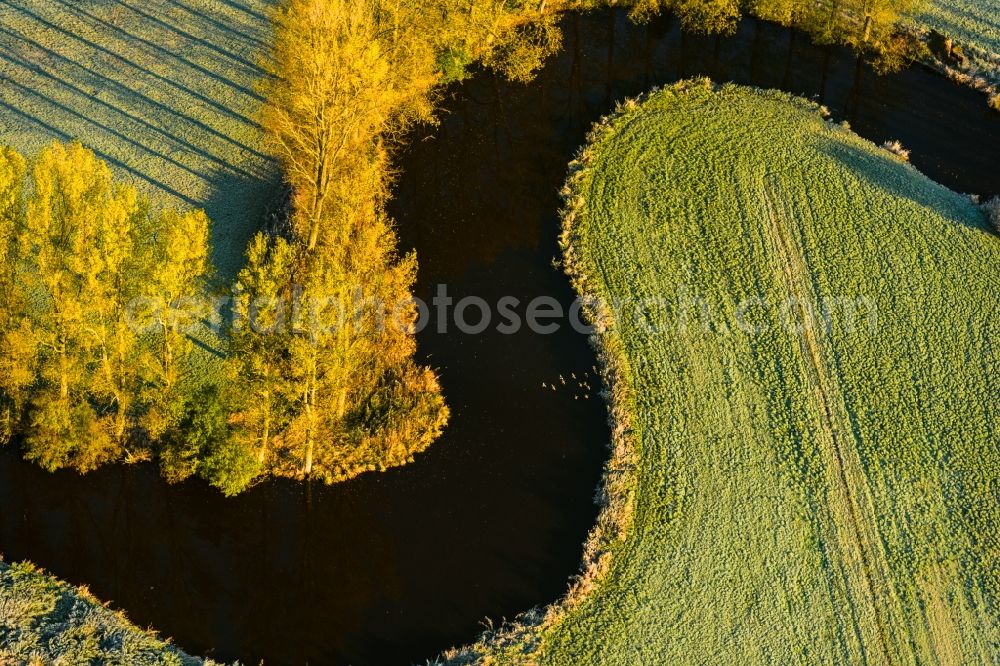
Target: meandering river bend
x,y
395,567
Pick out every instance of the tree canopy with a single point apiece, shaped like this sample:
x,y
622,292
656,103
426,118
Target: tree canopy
x,y
79,252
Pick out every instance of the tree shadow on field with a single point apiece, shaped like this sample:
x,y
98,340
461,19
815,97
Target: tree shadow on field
x,y
132,99
159,50
57,134
255,33
237,206
206,347
886,172
182,31
162,90
125,61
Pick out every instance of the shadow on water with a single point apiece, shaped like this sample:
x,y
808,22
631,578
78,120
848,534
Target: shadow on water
x,y
394,567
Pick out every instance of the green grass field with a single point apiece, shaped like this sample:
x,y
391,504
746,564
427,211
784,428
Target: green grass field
x,y
162,89
45,621
807,489
975,22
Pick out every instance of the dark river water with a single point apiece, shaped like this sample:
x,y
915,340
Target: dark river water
x,y
395,567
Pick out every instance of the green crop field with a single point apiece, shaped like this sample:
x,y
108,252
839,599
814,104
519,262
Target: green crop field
x,y
975,22
162,89
808,489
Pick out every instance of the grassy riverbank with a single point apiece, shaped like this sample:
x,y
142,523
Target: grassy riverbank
x,y
46,621
974,26
801,489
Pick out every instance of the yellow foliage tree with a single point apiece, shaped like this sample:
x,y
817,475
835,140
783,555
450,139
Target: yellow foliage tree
x,y
346,77
14,376
176,283
341,75
76,247
258,361
77,250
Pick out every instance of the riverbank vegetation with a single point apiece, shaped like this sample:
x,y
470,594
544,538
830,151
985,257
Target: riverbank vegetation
x,y
970,22
801,344
873,27
964,40
46,621
332,398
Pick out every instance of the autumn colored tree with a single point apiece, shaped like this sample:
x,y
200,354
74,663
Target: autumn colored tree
x,y
800,13
258,362
352,343
179,270
345,77
77,251
116,378
323,355
340,77
14,375
709,17
12,172
521,50
75,248
872,26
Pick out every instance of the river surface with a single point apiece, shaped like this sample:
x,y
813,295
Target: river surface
x,y
395,567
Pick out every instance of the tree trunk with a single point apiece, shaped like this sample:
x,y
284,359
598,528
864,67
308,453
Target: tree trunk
x,y
342,403
168,357
832,23
63,372
265,440
121,419
308,465
314,234
310,406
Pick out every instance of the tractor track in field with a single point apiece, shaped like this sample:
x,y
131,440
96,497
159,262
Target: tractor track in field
x,y
842,456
